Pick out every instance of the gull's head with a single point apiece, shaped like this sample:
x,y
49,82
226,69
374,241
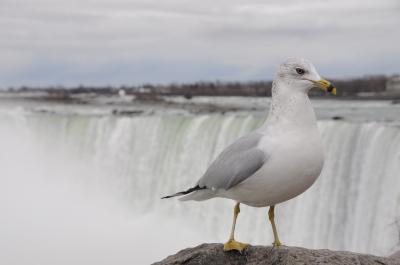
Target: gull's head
x,y
302,75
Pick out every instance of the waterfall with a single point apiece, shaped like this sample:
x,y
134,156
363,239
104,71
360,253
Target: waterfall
x,y
123,165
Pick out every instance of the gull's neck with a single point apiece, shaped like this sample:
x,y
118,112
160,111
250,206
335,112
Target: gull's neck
x,y
290,108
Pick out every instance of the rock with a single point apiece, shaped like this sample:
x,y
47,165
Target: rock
x,y
213,254
395,255
337,118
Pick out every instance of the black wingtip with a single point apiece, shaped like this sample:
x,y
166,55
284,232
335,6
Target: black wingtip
x,y
184,192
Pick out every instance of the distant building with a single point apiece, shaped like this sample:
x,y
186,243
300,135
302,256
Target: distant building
x,y
393,83
122,93
143,89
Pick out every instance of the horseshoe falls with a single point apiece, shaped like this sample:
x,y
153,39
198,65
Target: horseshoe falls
x,y
86,189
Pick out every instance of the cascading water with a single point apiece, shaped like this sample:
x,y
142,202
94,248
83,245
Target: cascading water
x,y
70,182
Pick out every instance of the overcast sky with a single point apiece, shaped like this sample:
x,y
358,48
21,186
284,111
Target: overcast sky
x,y
100,42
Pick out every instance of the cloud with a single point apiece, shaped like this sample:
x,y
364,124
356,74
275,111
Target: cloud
x,y
75,42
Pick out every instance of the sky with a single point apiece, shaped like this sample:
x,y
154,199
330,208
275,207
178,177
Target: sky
x,y
125,42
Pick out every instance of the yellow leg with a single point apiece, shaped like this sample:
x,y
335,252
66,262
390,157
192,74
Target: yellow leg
x,y
271,215
232,244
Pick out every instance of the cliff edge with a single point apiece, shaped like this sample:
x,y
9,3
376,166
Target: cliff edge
x,y
213,254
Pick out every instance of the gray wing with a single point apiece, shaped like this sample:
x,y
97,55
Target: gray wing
x,y
236,163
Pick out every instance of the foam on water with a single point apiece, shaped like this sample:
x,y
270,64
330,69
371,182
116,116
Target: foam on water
x,y
86,189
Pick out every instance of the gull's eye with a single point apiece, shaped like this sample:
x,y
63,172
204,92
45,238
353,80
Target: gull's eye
x,y
300,71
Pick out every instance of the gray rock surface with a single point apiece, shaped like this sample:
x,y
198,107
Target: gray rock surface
x,y
395,255
206,254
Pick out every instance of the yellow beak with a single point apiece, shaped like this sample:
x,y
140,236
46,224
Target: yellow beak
x,y
325,85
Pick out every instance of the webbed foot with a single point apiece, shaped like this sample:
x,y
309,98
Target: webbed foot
x,y
234,245
277,244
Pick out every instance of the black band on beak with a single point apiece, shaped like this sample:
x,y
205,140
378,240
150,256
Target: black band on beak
x,y
330,87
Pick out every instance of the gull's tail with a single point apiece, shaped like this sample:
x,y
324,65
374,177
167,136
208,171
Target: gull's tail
x,y
196,188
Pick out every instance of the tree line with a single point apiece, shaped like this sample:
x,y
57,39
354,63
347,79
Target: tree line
x,y
346,87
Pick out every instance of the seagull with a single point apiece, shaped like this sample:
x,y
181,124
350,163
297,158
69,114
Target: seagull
x,y
277,161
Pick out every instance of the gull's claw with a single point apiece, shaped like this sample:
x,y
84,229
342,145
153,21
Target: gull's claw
x,y
232,244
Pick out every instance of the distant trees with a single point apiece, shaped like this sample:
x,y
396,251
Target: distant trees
x,y
348,87
352,87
